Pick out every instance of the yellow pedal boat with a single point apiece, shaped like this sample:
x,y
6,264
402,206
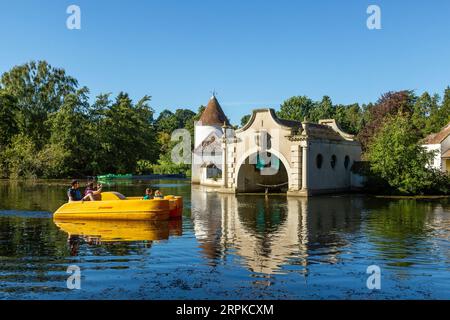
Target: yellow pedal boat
x,y
115,206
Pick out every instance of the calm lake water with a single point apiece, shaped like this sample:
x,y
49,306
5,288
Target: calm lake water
x,y
225,247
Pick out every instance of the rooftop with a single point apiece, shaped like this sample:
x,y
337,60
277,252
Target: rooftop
x,y
213,114
437,138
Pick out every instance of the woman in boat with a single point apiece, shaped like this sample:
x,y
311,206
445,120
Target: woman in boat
x,y
148,194
91,192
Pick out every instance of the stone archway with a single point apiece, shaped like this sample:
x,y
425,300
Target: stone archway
x,y
253,177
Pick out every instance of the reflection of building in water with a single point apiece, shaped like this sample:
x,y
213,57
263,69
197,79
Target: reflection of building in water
x,y
271,233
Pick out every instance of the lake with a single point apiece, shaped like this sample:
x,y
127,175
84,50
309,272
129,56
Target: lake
x,y
225,247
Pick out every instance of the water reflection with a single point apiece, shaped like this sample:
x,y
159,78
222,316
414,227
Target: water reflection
x,y
271,232
228,247
110,232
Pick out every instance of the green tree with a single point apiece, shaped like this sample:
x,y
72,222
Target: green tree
x,y
19,159
127,134
396,157
444,111
166,122
72,144
39,90
349,117
322,110
296,108
245,119
390,103
8,123
425,116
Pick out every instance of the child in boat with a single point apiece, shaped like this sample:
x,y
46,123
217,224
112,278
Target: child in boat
x,y
158,195
148,194
91,192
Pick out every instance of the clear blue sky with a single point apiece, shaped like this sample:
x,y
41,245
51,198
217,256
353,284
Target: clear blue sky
x,y
253,53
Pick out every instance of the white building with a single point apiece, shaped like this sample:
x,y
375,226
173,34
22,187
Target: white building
x,y
440,144
207,155
272,154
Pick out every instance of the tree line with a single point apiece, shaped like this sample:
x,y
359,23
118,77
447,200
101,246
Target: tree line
x,y
51,129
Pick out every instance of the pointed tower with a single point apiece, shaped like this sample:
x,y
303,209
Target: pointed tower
x,y
207,135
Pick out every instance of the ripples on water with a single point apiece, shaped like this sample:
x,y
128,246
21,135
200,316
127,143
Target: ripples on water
x,y
225,247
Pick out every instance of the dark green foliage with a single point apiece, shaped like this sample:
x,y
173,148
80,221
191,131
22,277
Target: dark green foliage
x,y
8,121
245,119
397,159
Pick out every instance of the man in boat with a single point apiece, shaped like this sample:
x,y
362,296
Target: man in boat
x,y
74,193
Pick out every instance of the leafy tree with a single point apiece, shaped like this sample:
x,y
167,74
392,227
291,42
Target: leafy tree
x,y
296,108
396,157
245,119
71,140
389,104
425,115
127,134
444,111
322,110
166,122
19,159
349,117
8,123
39,89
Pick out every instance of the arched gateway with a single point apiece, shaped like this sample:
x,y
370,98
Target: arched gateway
x,y
268,153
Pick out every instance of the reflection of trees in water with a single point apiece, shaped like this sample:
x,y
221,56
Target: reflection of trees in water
x,y
114,248
32,195
28,237
331,219
400,229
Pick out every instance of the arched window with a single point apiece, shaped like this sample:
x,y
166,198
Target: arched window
x,y
319,161
346,162
333,161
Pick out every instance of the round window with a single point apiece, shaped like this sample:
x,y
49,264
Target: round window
x,y
319,161
333,161
346,162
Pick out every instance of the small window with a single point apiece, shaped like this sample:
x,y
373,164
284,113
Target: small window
x,y
333,161
213,153
346,162
319,160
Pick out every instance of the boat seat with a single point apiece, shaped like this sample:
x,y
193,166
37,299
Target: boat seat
x,y
109,196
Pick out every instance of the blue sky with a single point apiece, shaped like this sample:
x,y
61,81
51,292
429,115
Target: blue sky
x,y
253,53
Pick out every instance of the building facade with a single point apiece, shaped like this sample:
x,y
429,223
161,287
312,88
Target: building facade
x,y
270,154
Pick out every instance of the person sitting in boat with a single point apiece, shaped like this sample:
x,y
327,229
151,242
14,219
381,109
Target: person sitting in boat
x,y
158,195
74,193
92,192
148,194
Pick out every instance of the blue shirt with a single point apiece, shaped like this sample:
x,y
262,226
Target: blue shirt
x,y
74,194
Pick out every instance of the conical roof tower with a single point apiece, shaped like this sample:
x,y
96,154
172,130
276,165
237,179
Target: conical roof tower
x,y
213,114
